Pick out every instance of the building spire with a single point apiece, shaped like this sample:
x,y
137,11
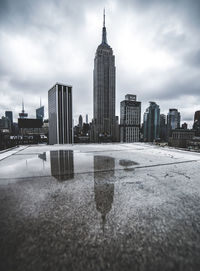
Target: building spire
x,y
104,36
104,17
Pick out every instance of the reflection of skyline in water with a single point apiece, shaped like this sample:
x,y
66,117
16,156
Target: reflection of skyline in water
x,y
62,164
103,188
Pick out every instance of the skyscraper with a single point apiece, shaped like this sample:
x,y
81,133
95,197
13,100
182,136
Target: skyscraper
x,y
152,122
80,121
130,118
173,120
196,125
60,114
86,119
9,115
40,113
163,127
104,90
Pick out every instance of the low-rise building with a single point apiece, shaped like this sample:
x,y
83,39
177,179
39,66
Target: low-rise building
x,y
180,138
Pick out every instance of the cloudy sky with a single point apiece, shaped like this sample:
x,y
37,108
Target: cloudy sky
x,y
156,44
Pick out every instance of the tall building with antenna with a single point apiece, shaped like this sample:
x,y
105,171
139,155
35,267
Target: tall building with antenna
x,y
23,115
104,90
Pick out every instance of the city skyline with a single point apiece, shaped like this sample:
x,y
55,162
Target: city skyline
x,y
36,45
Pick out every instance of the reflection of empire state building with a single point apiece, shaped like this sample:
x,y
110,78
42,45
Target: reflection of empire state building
x,y
104,90
103,185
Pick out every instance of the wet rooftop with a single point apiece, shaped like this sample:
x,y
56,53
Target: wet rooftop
x,y
99,207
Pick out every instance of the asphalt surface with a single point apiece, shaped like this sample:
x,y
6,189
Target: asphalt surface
x,y
99,207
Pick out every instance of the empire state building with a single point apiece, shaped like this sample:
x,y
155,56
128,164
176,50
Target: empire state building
x,y
104,90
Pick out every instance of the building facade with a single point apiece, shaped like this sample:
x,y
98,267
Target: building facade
x,y
173,121
60,114
130,119
196,125
181,137
40,113
104,90
9,115
86,119
163,127
80,121
151,123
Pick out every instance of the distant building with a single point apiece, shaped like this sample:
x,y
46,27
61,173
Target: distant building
x,y
194,143
4,133
173,121
130,118
181,137
163,127
60,114
152,123
23,115
9,115
15,128
40,113
80,121
5,124
104,91
197,115
184,126
86,119
196,125
82,135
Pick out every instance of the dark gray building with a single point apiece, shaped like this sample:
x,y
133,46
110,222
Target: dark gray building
x,y
9,115
40,113
173,121
60,114
163,127
86,119
130,119
152,123
104,90
181,137
196,125
80,121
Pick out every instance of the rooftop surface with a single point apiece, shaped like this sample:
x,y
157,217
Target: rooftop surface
x,y
99,207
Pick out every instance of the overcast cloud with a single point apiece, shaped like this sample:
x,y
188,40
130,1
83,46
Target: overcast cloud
x,y
156,44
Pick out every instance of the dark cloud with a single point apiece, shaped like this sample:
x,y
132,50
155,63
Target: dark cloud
x,y
42,42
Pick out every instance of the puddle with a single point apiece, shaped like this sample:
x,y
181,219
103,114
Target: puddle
x,y
127,163
62,164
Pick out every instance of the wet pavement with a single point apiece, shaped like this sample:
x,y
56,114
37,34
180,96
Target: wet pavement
x,y
99,207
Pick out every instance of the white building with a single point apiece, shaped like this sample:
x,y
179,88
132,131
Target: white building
x,y
60,114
